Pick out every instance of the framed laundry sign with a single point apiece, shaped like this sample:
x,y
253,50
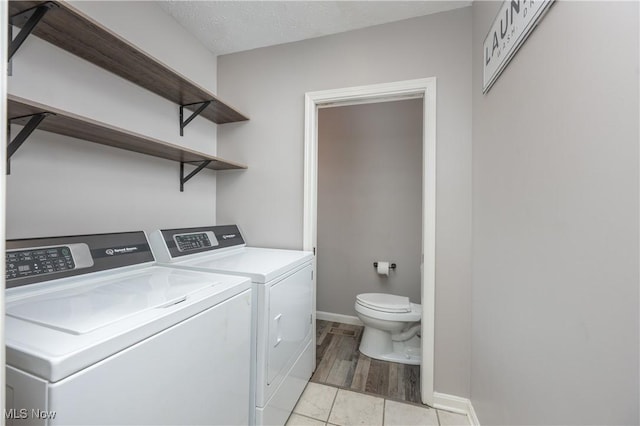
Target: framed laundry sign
x,y
516,19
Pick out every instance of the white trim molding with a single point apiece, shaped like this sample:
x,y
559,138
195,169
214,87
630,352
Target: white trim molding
x,y
4,39
424,88
456,404
344,319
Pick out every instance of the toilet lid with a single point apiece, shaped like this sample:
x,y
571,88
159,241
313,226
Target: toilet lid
x,y
384,302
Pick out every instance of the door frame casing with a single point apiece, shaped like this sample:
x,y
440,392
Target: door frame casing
x,y
424,88
4,41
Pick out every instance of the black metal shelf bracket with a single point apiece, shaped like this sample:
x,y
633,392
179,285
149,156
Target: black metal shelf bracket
x,y
24,134
37,13
184,179
183,122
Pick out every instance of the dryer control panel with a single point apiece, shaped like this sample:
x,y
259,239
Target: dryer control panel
x,y
195,240
170,244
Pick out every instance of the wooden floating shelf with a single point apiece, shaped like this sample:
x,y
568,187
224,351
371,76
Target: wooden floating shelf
x,y
68,28
69,124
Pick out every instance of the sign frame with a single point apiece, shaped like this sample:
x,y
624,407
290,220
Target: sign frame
x,y
516,35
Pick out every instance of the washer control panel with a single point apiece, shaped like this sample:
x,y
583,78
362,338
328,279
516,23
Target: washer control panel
x,y
195,241
38,260
28,262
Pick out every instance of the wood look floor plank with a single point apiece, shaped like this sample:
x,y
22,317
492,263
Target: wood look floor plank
x,y
412,383
340,363
359,381
350,327
322,329
328,358
392,389
383,382
350,356
376,377
344,354
321,349
349,347
353,363
338,374
400,386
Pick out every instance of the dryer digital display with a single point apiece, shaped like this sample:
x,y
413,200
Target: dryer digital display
x,y
195,241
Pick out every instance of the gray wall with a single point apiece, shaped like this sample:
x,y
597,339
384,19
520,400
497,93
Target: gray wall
x,y
269,85
555,221
369,201
59,185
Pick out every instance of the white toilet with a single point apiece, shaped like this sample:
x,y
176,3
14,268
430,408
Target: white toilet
x,y
391,327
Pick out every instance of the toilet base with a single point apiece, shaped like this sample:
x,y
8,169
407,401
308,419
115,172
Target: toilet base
x,y
377,344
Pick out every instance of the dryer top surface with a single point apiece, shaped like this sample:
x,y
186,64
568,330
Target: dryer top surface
x,y
262,265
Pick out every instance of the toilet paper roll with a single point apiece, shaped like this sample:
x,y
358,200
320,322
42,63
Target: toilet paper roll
x,y
383,268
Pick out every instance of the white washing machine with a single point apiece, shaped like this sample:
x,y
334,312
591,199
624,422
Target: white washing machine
x,y
96,333
283,307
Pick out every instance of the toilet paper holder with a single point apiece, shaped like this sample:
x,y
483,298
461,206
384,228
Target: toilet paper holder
x,y
391,266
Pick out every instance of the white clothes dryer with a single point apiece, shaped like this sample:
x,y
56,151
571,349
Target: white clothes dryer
x,y
97,334
283,288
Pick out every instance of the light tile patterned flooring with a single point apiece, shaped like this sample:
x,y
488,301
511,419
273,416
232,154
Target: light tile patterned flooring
x,y
322,405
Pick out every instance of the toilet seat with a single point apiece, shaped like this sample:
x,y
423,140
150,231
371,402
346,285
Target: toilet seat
x,y
389,303
414,315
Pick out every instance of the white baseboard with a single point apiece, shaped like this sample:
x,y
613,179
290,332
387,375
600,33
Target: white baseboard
x,y
456,404
345,319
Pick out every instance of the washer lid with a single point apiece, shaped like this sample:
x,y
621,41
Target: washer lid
x,y
57,328
82,309
384,302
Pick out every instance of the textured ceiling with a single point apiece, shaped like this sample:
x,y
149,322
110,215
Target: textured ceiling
x,y
233,26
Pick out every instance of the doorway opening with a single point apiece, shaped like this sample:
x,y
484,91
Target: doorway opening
x,y
424,89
